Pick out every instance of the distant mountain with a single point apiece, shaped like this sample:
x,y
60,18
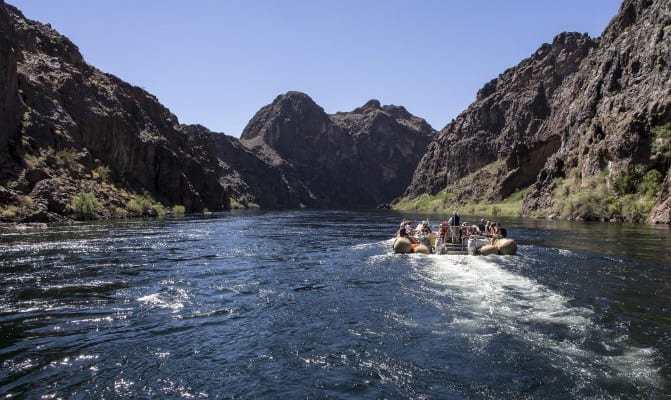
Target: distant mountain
x,y
294,155
361,158
250,180
583,124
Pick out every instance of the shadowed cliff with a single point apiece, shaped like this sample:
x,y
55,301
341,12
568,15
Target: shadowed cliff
x,y
70,128
361,158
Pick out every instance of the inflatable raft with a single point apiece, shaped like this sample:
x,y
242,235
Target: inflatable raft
x,y
474,245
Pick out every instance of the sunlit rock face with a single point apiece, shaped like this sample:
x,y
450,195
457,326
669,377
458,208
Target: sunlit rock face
x,y
576,106
504,125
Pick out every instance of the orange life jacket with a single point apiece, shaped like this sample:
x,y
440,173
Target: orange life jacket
x,y
443,228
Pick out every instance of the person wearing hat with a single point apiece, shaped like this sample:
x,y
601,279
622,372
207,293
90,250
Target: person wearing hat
x,y
405,230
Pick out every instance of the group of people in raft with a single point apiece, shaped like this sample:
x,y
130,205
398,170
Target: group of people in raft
x,y
451,231
454,232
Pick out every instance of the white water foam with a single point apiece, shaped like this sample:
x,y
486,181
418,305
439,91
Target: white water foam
x,y
490,300
172,299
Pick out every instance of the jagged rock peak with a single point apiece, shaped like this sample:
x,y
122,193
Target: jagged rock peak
x,y
398,112
629,14
291,102
294,101
371,105
194,129
359,158
555,60
374,105
290,108
33,34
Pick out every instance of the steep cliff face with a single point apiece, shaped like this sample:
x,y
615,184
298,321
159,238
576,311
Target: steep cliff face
x,y
592,112
9,109
361,158
504,125
607,113
76,119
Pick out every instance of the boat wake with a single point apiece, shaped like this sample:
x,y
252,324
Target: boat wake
x,y
493,307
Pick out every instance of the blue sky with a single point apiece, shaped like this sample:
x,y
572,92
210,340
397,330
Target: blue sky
x,y
217,62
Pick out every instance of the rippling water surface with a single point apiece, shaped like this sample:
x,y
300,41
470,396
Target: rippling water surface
x,y
313,304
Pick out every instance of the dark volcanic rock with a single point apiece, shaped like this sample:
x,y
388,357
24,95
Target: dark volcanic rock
x,y
246,177
68,118
10,110
353,159
388,142
578,106
68,128
606,111
503,124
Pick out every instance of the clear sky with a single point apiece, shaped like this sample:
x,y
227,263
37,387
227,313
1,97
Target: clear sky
x,y
217,62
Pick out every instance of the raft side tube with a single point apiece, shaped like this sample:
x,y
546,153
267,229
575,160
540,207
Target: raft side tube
x,y
423,249
402,245
506,246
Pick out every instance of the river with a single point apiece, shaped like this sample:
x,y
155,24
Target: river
x,y
313,304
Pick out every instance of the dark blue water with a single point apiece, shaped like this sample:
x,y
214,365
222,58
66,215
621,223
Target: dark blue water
x,y
313,304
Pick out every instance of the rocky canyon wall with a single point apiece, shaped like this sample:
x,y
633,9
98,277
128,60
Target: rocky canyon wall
x,y
592,111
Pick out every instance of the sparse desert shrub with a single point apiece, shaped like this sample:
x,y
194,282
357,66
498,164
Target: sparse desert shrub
x,y
236,205
624,183
140,204
25,201
145,205
178,211
102,172
662,142
630,195
652,183
159,210
10,212
85,204
35,161
67,158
